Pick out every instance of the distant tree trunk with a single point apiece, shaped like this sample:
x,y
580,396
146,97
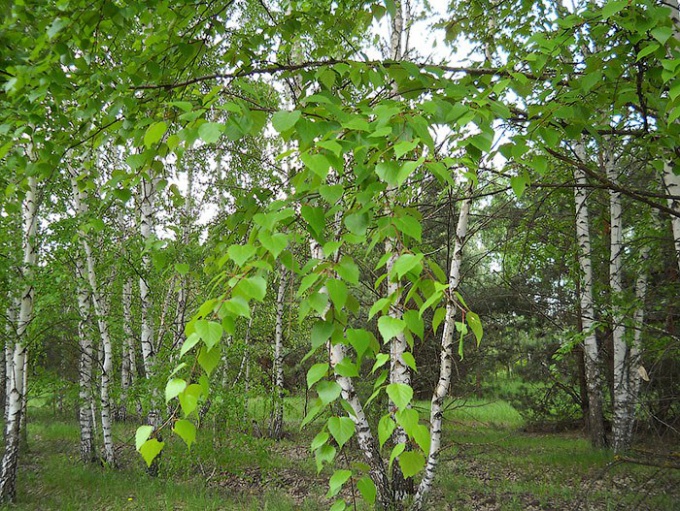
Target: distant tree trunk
x,y
129,360
10,459
85,417
635,369
100,311
591,355
276,424
445,357
671,181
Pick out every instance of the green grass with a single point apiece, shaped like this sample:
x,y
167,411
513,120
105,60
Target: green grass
x,y
488,463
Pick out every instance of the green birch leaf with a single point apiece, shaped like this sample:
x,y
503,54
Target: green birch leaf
x,y
190,342
328,391
150,449
316,219
319,440
241,253
186,430
336,481
188,398
348,270
317,163
475,325
142,435
283,120
407,262
154,133
421,434
209,359
274,243
338,505
237,306
400,394
316,373
396,451
209,331
409,360
386,427
252,288
324,454
404,147
390,327
337,290
612,7
367,488
173,388
342,429
210,132
411,462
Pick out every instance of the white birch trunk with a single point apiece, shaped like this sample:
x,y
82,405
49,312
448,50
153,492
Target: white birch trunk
x,y
10,329
129,359
99,306
276,425
445,357
622,395
146,230
590,349
147,328
8,470
399,371
85,417
671,181
367,443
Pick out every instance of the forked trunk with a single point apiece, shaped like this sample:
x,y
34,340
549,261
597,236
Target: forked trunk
x,y
100,312
445,357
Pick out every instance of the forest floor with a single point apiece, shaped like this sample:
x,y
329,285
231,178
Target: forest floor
x,y
490,463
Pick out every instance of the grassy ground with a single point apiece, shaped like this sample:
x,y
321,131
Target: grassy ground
x,y
488,464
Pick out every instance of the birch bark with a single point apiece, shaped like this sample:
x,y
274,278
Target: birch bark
x,y
8,470
399,371
79,197
276,425
85,417
591,354
622,395
445,357
671,181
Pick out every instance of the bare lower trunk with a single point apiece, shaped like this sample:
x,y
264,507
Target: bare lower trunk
x,y
622,397
86,419
365,439
10,459
147,327
635,368
276,425
100,312
445,358
591,355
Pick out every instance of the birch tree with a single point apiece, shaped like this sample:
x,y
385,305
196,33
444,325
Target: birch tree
x,y
100,311
16,380
591,354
